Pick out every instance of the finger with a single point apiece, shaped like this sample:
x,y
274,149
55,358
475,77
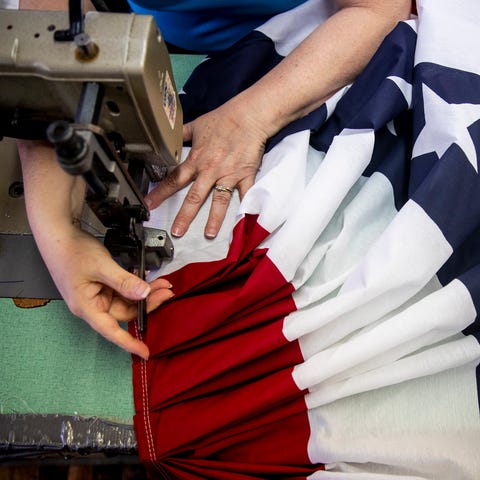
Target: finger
x,y
244,185
161,292
157,297
176,179
109,328
195,198
218,210
160,283
126,284
125,310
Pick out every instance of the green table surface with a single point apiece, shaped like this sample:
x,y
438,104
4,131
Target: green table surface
x,y
54,363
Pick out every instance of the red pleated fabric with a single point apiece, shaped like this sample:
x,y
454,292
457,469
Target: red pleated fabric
x,y
216,400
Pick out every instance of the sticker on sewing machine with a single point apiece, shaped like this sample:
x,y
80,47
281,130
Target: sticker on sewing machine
x,y
169,99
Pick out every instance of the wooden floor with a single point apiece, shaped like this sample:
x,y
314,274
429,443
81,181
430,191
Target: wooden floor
x,y
72,472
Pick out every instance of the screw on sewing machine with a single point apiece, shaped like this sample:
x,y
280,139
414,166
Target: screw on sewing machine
x,y
15,190
86,49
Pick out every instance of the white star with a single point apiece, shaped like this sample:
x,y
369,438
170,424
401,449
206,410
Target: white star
x,y
445,124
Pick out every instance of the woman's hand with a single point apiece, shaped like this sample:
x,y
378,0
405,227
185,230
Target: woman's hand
x,y
97,289
227,149
92,284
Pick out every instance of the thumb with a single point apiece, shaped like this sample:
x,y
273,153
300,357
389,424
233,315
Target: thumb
x,y
125,283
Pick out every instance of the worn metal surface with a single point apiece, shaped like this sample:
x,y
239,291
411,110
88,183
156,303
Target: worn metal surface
x,y
33,435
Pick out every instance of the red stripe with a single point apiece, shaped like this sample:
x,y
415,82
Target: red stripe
x,y
186,469
217,398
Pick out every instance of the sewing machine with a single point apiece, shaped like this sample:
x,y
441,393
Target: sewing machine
x,y
66,367
102,92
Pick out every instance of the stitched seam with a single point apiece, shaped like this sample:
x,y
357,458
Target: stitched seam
x,y
146,416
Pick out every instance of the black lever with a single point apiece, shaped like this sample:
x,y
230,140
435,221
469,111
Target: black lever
x,y
76,23
86,48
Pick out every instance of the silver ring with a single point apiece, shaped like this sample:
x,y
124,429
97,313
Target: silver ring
x,y
221,188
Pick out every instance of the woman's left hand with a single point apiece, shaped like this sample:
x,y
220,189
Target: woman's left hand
x,y
227,149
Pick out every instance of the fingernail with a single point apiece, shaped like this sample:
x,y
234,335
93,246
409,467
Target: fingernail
x,y
210,234
142,352
142,291
177,231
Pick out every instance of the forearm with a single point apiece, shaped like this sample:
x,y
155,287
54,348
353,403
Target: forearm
x,y
53,198
330,58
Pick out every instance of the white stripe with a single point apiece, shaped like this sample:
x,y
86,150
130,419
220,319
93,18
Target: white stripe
x,y
452,354
353,474
397,266
280,182
437,316
364,214
426,428
288,29
342,166
448,33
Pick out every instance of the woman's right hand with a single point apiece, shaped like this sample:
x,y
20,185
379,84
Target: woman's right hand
x,y
97,289
92,284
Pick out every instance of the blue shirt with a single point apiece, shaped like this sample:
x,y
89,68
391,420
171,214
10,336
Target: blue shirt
x,y
209,25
